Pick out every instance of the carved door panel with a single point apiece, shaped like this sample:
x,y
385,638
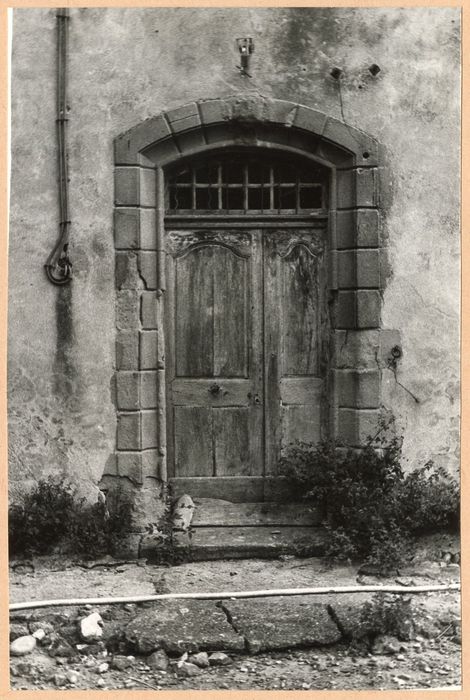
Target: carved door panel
x,y
295,339
215,361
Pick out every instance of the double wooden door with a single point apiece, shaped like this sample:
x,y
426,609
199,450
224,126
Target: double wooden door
x,y
246,355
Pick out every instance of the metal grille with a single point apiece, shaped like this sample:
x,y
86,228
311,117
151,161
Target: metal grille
x,y
234,184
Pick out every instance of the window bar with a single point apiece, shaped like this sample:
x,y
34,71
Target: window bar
x,y
297,193
271,188
245,188
219,186
193,188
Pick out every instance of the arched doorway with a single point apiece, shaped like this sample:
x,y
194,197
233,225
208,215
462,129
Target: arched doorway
x,y
281,204
247,327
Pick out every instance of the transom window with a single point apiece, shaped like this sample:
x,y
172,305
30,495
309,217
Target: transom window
x,y
235,184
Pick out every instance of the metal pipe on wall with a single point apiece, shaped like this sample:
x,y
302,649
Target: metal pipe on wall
x,y
58,265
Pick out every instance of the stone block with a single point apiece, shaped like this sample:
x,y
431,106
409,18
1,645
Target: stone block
x,y
148,350
346,261
163,152
310,120
214,111
149,430
127,350
110,467
151,464
247,108
148,389
368,308
281,111
367,228
367,190
126,228
358,268
147,187
148,229
128,431
130,466
148,269
355,426
368,268
345,229
358,389
126,272
127,186
190,141
337,156
128,145
148,310
346,188
127,390
357,188
202,626
346,310
332,269
358,228
356,349
364,147
282,623
127,309
183,118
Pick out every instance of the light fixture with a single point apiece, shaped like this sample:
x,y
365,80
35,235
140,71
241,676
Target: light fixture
x,y
246,47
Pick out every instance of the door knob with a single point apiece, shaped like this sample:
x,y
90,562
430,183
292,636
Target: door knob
x,y
214,389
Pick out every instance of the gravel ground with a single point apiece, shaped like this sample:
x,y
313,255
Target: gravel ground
x,y
430,659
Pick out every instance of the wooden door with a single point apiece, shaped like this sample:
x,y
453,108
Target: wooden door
x,y
215,362
245,325
295,340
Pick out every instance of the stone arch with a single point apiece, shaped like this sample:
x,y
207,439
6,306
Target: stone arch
x,y
141,155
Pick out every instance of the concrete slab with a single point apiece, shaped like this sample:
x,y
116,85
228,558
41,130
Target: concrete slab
x,y
179,626
282,623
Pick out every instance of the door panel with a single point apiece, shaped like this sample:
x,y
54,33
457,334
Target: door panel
x,y
295,322
213,299
194,303
192,440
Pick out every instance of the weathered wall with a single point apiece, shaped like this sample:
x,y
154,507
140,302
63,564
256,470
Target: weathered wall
x,y
126,65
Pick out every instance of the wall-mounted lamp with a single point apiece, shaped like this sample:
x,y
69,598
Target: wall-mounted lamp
x,y
246,47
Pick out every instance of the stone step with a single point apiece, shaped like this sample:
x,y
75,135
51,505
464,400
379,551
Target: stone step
x,y
211,543
216,512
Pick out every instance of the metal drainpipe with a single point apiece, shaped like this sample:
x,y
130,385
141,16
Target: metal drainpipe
x,y
58,266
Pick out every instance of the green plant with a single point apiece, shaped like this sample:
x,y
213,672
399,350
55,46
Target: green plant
x,y
372,509
51,515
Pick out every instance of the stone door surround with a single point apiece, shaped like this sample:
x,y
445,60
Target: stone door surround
x,y
141,155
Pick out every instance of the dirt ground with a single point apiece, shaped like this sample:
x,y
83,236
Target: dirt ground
x,y
429,659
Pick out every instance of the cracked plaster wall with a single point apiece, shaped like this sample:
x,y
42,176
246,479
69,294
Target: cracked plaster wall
x,y
126,65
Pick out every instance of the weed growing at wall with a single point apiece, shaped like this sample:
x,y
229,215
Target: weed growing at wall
x,y
51,517
167,552
372,510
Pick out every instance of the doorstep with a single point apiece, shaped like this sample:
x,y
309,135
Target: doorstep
x,y
242,542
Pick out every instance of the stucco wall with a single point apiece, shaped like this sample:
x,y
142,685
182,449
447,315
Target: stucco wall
x,y
126,65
